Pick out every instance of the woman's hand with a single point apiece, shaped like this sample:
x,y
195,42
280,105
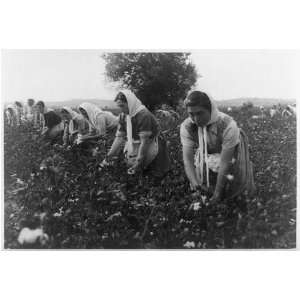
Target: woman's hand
x,y
195,186
107,161
134,169
104,163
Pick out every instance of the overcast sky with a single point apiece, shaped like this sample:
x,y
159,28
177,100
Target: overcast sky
x,y
66,74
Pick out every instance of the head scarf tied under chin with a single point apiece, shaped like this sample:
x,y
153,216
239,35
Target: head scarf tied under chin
x,y
92,111
202,154
134,106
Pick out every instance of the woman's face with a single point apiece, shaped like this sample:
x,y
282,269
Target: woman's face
x,y
40,108
123,106
199,115
84,113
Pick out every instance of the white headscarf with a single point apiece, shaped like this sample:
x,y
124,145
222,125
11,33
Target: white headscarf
x,y
8,112
134,106
11,106
202,154
93,111
75,115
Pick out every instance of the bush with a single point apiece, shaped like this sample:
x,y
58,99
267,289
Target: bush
x,y
156,78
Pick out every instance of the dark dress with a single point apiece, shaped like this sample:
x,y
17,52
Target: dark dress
x,y
145,122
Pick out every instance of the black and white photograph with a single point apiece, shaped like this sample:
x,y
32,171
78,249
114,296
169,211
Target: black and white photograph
x,y
128,149
149,149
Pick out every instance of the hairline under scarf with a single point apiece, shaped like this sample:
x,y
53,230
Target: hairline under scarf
x,y
214,112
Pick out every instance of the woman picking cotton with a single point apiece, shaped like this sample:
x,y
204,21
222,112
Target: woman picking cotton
x,y
11,116
29,110
38,117
215,150
74,124
101,123
53,126
145,149
19,112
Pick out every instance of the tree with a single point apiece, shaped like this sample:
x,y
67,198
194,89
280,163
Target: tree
x,y
155,78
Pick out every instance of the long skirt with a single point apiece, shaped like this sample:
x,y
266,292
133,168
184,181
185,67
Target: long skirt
x,y
157,162
161,164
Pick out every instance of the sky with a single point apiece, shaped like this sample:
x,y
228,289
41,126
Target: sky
x,y
56,75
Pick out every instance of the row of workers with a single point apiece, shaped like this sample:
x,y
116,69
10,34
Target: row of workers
x,y
19,113
215,149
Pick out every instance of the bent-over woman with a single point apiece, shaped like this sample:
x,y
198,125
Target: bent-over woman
x,y
53,126
29,111
74,125
11,116
145,148
215,150
101,123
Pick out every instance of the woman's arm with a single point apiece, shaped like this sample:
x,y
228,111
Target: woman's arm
x,y
116,147
45,130
226,157
89,136
114,150
189,167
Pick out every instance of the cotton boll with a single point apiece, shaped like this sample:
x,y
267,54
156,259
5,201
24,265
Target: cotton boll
x,y
230,177
213,162
196,206
189,245
29,236
19,181
23,235
79,139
